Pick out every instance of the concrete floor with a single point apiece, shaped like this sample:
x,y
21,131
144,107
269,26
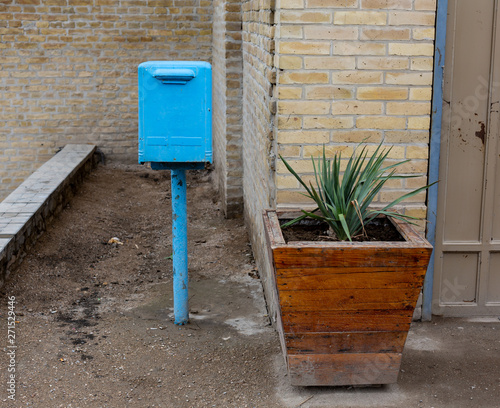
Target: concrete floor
x,y
95,322
446,363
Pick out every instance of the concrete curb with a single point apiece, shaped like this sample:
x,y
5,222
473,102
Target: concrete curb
x,y
26,212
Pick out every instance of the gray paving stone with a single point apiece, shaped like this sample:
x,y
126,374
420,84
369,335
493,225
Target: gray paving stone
x,y
11,229
3,244
38,195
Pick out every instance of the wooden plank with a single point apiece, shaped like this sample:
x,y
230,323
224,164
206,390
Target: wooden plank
x,y
281,333
346,342
272,228
409,233
349,278
415,272
334,321
273,232
327,256
344,369
348,299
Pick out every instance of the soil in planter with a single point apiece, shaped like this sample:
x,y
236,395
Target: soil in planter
x,y
379,229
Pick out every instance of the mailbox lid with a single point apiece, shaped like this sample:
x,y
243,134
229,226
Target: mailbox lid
x,y
175,112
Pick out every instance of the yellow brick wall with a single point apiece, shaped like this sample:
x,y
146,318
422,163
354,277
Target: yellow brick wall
x,y
349,70
258,107
69,72
227,104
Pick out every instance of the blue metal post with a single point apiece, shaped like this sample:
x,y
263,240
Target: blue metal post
x,y
435,150
179,243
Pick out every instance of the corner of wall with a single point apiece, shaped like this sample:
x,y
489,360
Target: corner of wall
x,y
227,101
259,111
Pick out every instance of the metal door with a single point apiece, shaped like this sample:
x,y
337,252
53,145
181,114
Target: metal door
x,y
467,257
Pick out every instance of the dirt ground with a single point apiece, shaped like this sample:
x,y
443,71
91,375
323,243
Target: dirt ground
x,y
95,326
95,319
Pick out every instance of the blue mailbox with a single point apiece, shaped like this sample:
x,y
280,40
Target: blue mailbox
x,y
175,114
175,133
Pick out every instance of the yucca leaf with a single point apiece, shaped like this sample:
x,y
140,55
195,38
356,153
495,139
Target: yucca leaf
x,y
334,211
345,227
402,217
408,195
343,201
289,168
395,165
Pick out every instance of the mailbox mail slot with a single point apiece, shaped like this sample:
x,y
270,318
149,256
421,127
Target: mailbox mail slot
x,y
175,113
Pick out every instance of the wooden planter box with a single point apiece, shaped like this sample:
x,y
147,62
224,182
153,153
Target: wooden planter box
x,y
346,308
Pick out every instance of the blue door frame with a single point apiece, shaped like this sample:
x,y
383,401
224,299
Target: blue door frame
x,y
435,149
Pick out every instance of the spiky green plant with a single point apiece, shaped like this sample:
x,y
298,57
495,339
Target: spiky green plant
x,y
343,199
